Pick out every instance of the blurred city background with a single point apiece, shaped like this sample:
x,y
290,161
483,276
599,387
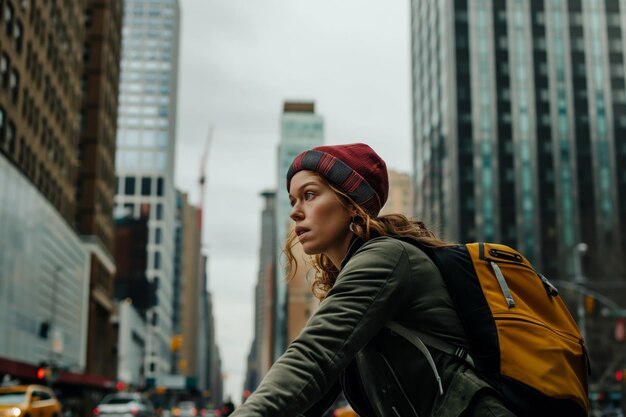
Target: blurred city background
x,y
144,146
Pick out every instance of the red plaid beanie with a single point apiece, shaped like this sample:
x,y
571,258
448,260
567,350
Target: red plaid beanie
x,y
354,168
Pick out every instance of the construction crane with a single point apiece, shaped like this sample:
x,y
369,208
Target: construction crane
x,y
202,178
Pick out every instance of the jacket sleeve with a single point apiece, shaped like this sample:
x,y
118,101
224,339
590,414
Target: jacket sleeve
x,y
318,409
371,288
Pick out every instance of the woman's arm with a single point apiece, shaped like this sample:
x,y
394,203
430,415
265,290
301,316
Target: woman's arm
x,y
370,290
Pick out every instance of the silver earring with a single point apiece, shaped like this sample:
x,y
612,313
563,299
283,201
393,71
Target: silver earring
x,y
351,227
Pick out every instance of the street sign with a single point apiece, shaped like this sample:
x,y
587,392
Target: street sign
x,y
57,341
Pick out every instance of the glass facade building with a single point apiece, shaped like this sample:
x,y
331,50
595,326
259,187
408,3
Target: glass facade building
x,y
145,152
44,285
300,129
519,131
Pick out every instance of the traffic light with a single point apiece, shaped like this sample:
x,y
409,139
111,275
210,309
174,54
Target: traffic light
x,y
619,375
47,373
176,343
41,371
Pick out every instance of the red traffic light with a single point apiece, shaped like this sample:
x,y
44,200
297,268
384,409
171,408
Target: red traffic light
x,y
41,373
619,375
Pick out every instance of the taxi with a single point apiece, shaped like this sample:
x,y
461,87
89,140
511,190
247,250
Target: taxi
x,y
28,401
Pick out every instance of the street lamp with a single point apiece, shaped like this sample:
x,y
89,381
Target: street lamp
x,y
579,279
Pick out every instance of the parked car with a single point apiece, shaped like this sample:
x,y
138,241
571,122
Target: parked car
x,y
124,404
29,401
185,409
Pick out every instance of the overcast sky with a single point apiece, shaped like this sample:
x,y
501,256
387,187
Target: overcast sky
x,y
239,60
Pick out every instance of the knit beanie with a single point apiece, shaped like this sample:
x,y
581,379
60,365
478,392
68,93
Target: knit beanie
x,y
354,168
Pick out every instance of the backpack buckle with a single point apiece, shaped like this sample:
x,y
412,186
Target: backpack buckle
x,y
550,289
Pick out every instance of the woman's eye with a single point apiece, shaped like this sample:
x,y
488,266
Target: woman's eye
x,y
308,195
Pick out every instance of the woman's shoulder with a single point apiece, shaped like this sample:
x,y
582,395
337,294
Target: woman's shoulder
x,y
392,243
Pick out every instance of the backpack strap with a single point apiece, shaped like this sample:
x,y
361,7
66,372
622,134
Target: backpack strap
x,y
421,341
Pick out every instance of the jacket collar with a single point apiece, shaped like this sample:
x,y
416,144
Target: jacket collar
x,y
355,245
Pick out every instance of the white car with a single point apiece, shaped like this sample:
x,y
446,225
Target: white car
x,y
124,405
186,409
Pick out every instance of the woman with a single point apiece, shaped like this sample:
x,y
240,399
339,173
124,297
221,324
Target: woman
x,y
369,272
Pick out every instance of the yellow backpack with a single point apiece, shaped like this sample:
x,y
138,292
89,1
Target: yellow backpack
x,y
522,338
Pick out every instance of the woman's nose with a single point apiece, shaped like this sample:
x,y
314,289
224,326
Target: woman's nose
x,y
296,212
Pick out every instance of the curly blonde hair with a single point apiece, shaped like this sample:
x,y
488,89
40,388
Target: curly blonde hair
x,y
366,227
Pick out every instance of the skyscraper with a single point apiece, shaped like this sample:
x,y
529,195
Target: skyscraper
x,y
519,111
44,266
301,129
145,151
260,357
95,187
58,86
187,319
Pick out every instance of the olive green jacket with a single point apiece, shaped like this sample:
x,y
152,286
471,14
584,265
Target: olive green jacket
x,y
346,344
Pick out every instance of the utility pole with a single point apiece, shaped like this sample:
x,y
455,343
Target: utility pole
x,y
579,279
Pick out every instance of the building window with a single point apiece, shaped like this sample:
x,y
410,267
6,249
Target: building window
x,y
5,62
17,36
145,185
160,187
157,260
159,212
129,209
144,210
157,235
8,19
10,137
129,185
14,85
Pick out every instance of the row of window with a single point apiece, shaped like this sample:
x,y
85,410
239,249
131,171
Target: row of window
x,y
154,139
153,211
160,65
144,186
143,122
21,152
9,78
144,99
15,30
10,81
146,76
146,160
151,111
149,29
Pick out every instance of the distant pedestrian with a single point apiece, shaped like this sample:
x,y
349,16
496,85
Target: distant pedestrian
x,y
366,276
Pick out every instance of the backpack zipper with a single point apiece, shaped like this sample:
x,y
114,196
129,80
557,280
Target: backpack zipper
x,y
568,336
504,287
484,257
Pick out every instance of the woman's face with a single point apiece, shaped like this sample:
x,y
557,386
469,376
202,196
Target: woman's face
x,y
322,222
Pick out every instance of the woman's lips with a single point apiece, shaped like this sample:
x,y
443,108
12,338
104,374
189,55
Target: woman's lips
x,y
301,232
